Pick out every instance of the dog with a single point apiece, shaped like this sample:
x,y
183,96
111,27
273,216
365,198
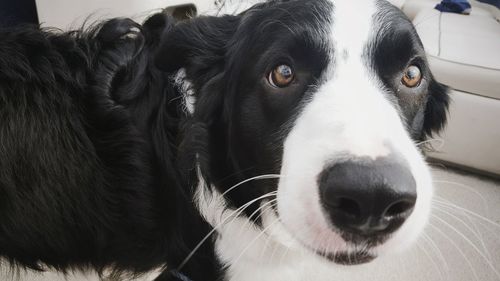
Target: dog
x,y
275,144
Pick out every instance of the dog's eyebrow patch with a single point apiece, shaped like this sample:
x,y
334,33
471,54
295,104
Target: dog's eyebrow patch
x,y
395,41
396,47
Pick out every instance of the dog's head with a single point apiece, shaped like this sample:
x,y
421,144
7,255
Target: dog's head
x,y
331,95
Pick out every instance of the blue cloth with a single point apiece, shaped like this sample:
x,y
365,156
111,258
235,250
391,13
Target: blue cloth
x,y
495,3
179,276
454,6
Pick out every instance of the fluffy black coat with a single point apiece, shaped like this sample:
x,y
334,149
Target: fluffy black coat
x,y
88,142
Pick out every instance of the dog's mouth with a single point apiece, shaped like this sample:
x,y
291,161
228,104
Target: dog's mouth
x,y
348,257
345,258
356,257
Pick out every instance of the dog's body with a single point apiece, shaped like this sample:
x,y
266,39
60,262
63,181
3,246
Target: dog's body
x,y
88,130
106,161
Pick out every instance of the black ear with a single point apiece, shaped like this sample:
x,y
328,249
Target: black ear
x,y
196,133
196,44
436,111
157,25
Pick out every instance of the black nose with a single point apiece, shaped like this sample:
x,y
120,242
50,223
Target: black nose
x,y
368,197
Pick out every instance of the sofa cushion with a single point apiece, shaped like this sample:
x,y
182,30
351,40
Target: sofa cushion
x,y
464,51
397,3
412,7
471,136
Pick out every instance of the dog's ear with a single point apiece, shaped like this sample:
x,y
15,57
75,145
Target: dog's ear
x,y
436,110
196,44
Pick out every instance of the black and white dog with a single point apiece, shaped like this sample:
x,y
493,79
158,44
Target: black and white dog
x,y
270,145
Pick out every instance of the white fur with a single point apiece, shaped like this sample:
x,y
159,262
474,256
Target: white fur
x,y
350,115
185,87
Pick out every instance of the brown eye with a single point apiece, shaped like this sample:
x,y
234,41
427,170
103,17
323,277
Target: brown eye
x,y
412,76
281,76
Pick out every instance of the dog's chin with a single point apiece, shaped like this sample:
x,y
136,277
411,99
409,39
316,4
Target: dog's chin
x,y
347,258
344,258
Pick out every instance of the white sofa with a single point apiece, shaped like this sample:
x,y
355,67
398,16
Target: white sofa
x,y
464,54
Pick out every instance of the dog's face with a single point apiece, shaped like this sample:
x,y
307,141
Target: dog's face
x,y
331,95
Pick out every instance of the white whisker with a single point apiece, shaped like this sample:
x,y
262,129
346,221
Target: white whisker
x,y
428,255
435,264
438,251
465,187
233,214
445,202
458,248
261,177
474,232
262,232
488,261
441,142
253,220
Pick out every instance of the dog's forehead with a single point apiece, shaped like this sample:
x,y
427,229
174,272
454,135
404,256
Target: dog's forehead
x,y
362,31
345,26
352,25
312,16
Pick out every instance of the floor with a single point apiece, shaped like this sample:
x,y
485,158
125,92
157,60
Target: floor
x,y
461,243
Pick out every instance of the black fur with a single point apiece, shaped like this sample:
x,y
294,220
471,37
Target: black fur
x,y
98,158
88,141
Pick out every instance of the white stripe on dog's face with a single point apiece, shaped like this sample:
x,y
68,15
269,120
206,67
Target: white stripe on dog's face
x,y
349,116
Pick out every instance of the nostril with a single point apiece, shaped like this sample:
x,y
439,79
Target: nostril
x,y
399,208
349,207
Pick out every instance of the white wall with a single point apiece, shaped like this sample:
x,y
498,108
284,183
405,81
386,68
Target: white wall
x,y
67,14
